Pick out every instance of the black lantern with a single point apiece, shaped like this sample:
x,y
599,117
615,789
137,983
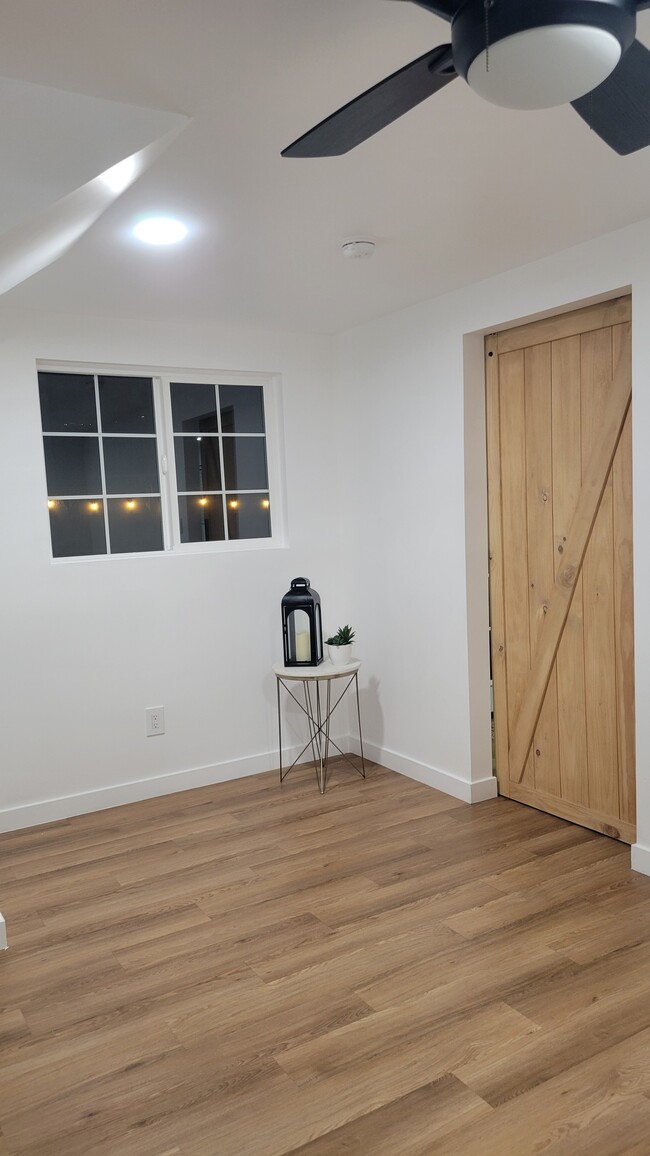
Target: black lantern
x,y
301,625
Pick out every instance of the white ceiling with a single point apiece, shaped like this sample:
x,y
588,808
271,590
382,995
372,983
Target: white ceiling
x,y
453,192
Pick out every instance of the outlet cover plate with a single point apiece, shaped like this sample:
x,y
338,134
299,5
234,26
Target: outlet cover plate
x,y
155,720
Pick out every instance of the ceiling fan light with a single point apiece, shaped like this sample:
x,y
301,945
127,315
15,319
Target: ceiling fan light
x,y
543,67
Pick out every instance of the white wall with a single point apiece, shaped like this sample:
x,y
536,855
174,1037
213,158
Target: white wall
x,y
417,508
393,536
86,646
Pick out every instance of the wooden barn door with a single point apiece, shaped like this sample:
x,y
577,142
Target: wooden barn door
x,y
560,523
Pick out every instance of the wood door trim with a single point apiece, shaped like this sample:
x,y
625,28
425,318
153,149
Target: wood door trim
x,y
593,486
614,312
495,555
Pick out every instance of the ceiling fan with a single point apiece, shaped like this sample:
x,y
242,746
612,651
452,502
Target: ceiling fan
x,y
519,54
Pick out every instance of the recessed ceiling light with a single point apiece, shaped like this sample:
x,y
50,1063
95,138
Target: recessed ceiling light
x,y
160,230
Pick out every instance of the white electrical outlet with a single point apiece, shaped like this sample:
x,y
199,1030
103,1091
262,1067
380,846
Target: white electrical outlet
x,y
155,717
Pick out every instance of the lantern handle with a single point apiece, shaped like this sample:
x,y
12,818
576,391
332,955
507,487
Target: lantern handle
x,y
299,582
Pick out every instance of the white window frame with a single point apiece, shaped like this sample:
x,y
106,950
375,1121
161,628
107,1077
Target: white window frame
x,y
162,377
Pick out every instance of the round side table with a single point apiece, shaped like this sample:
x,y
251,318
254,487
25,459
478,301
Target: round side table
x,y
318,708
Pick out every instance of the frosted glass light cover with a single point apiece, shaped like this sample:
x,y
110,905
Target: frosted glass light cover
x,y
543,67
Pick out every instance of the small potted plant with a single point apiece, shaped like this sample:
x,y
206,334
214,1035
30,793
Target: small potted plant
x,y
340,646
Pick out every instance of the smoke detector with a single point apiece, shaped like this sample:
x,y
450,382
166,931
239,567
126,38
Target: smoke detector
x,y
358,248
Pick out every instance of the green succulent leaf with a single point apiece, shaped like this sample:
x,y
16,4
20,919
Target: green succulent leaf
x,y
343,637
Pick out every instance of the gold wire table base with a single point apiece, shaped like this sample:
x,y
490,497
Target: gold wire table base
x,y
318,715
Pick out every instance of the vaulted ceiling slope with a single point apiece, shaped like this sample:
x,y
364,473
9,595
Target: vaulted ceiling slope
x,y
65,159
454,191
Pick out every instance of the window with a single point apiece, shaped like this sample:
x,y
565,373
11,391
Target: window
x,y
140,463
222,476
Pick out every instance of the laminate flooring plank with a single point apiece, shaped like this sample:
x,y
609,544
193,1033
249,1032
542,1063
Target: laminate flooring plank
x,y
229,1011
561,1046
441,870
267,908
512,908
257,946
310,1110
555,998
389,905
93,850
566,835
138,898
293,890
112,998
356,857
409,1126
167,1086
620,1130
562,1107
596,934
413,1033
42,970
562,864
54,888
158,922
361,963
373,934
373,819
39,1074
12,1025
469,977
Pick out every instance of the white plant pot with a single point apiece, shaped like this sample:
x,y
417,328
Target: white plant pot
x,y
340,655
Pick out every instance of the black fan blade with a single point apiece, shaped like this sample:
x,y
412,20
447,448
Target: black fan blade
x,y
381,105
619,109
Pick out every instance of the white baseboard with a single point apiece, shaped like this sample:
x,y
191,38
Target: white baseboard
x,y
640,858
65,806
3,934
83,803
469,792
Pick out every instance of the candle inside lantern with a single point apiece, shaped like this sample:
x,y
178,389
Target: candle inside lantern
x,y
303,647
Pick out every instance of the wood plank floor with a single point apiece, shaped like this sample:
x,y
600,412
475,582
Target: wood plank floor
x,y
249,970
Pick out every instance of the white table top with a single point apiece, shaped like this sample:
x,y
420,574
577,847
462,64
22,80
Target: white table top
x,y
326,669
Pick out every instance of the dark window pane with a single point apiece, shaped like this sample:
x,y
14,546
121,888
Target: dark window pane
x,y
244,462
197,463
249,516
126,404
131,466
201,519
67,402
194,408
77,528
134,525
242,408
72,465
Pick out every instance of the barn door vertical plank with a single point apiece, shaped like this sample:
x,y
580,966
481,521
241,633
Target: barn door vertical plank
x,y
541,570
567,480
598,590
